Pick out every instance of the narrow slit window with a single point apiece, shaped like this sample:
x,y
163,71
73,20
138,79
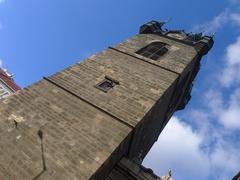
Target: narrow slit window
x,y
107,84
154,50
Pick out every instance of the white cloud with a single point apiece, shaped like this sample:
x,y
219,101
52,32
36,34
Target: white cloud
x,y
227,111
219,21
214,101
1,62
180,148
231,72
210,150
225,158
233,53
214,24
231,118
235,18
230,115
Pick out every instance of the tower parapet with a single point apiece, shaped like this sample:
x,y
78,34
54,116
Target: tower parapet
x,y
202,43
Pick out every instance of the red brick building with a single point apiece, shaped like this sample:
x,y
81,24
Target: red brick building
x,y
7,84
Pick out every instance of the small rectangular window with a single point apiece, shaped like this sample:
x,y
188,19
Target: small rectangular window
x,y
107,84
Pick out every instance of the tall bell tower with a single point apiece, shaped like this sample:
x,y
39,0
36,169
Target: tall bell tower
x,y
178,54
98,118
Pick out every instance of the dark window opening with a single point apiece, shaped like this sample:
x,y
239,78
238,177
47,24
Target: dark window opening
x,y
107,84
154,50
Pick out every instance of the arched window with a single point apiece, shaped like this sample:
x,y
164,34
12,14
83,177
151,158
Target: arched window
x,y
154,50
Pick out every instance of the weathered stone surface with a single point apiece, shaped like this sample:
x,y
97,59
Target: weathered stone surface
x,y
178,57
140,84
63,127
77,138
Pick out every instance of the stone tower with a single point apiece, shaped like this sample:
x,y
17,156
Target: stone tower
x,y
99,118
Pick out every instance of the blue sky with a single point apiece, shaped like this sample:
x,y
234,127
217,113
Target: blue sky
x,y
38,38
